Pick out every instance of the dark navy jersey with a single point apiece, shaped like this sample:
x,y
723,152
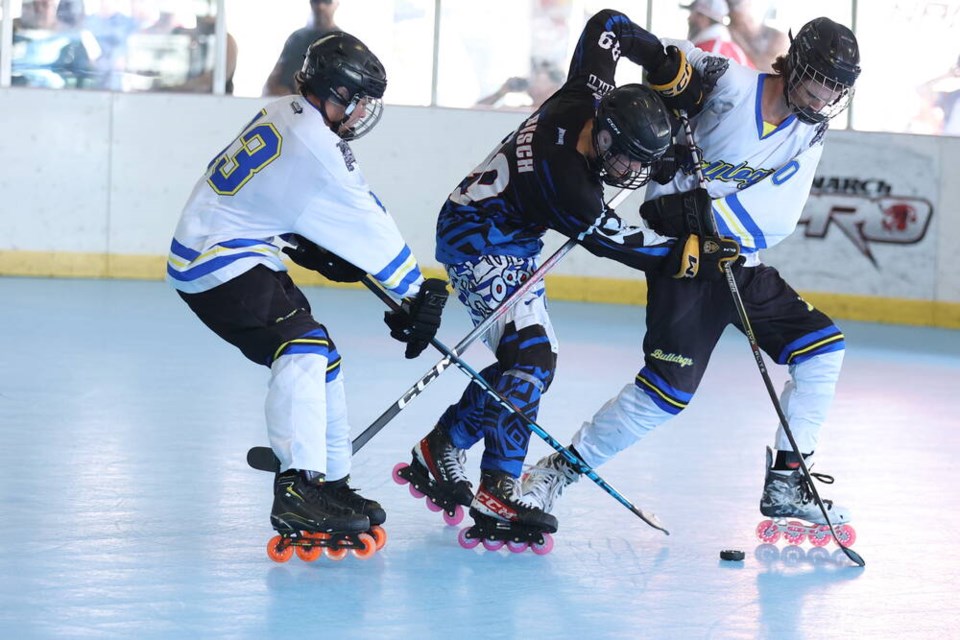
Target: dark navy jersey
x,y
537,180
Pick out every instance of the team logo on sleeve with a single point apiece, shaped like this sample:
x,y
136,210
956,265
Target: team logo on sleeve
x,y
347,152
714,67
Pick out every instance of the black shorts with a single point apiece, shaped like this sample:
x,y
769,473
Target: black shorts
x,y
686,318
258,312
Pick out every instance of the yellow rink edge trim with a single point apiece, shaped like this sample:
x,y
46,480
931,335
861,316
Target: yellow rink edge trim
x,y
560,287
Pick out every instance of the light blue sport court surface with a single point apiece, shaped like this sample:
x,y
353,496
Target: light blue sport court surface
x,y
128,510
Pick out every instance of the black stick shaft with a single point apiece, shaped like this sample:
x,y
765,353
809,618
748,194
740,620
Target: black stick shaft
x,y
758,357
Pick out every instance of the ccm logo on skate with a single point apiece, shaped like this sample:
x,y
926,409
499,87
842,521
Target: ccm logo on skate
x,y
495,506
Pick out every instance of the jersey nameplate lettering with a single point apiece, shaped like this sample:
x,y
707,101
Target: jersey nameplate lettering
x,y
525,145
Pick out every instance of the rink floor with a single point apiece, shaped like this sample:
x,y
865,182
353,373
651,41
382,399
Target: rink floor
x,y
129,511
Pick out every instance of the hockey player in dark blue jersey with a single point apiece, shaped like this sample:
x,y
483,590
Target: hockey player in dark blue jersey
x,y
548,174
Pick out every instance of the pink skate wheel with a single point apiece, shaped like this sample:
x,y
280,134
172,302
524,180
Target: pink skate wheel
x,y
795,533
456,518
433,506
545,548
768,531
821,537
400,466
414,492
492,545
465,542
846,534
516,547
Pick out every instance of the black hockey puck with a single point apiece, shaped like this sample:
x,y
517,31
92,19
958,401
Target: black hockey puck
x,y
732,554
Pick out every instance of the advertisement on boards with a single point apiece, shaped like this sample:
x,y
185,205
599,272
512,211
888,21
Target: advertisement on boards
x,y
869,225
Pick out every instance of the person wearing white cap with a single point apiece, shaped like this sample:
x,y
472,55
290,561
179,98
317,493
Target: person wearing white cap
x,y
708,31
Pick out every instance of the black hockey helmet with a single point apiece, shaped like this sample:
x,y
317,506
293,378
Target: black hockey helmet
x,y
822,66
633,124
340,60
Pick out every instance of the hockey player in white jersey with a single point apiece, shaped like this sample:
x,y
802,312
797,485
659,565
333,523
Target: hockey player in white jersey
x,y
291,180
761,136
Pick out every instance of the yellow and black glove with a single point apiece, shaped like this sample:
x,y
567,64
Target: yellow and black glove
x,y
677,82
702,257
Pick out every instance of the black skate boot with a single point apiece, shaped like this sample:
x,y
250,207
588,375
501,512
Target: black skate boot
x,y
437,471
502,515
309,519
340,492
786,494
302,502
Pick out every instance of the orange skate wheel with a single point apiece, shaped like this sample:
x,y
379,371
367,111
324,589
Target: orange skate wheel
x,y
368,546
278,550
380,535
337,554
309,554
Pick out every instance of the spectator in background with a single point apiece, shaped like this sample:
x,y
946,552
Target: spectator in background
x,y
201,78
51,48
527,93
941,96
39,14
707,30
762,43
111,26
280,82
180,58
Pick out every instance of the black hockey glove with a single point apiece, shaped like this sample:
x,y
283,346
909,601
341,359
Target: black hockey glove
x,y
677,157
677,82
417,321
700,257
331,266
677,214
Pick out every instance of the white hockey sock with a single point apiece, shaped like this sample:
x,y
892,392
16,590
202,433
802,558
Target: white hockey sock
x,y
619,423
339,446
806,398
296,411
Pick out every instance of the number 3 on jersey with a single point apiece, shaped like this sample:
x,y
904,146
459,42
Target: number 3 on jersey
x,y
254,149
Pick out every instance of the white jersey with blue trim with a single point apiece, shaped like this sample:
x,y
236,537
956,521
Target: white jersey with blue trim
x,y
286,172
758,175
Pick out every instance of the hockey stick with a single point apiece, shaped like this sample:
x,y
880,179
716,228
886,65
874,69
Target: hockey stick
x,y
697,154
391,412
571,459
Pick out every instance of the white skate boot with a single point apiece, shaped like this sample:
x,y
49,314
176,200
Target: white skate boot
x,y
787,495
543,483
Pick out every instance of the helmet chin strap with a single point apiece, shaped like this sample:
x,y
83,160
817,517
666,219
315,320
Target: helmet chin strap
x,y
322,109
